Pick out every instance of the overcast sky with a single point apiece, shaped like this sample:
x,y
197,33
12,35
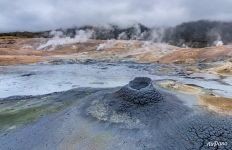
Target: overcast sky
x,y
35,15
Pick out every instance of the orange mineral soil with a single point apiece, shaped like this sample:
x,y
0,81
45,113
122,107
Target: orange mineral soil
x,y
25,51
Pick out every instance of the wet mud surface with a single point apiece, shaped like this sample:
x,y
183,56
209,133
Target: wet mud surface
x,y
141,114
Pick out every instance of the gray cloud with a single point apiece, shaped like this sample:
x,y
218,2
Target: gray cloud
x,y
48,14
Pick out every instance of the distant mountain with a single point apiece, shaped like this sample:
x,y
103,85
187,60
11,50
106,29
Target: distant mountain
x,y
192,34
45,34
201,33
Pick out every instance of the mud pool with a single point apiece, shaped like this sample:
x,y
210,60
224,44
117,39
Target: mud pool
x,y
44,79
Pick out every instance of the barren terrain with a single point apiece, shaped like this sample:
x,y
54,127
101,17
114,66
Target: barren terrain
x,y
14,50
70,93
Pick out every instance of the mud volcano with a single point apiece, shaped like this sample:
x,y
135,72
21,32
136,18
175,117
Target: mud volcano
x,y
135,105
140,91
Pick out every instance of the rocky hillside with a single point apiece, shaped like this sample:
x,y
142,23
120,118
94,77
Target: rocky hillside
x,y
196,34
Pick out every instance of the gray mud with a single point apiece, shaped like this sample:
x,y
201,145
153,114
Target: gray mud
x,y
140,91
106,115
198,132
103,119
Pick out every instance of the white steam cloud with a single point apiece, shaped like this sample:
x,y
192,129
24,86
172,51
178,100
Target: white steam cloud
x,y
214,34
107,44
157,35
59,39
218,43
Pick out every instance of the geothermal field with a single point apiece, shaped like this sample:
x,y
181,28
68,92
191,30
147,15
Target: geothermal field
x,y
81,93
115,75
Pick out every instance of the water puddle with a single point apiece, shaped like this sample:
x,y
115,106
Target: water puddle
x,y
44,79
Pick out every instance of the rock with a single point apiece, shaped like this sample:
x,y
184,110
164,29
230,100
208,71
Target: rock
x,y
28,75
140,91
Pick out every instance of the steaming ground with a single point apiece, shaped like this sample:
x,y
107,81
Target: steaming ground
x,y
62,93
61,49
58,39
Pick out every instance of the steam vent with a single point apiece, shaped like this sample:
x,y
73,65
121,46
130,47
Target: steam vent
x,y
140,91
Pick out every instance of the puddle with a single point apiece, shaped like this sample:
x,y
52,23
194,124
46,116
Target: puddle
x,y
16,80
44,79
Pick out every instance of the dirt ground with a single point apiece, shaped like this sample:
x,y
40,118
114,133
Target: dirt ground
x,y
25,51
